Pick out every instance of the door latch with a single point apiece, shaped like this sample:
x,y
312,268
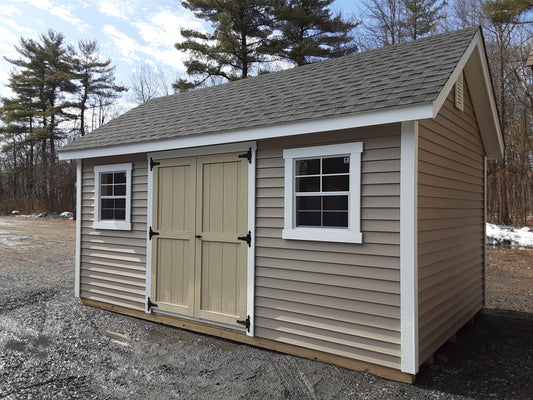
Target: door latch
x,y
247,238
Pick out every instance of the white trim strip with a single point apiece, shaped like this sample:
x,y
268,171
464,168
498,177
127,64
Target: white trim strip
x,y
250,275
204,151
485,187
370,118
443,95
149,216
409,248
79,180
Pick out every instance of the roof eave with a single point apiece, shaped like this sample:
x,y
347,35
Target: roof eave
x,y
357,120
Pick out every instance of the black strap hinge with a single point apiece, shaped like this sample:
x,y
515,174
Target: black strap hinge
x,y
247,238
245,322
247,155
150,305
152,233
153,163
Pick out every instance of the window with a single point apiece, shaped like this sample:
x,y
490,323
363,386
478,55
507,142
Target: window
x,y
322,193
112,194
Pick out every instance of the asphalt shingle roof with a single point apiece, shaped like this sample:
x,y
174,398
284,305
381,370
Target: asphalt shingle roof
x,y
397,75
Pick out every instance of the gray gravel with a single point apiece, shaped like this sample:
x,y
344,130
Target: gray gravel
x,y
52,347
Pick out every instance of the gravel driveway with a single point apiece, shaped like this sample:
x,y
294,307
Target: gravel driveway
x,y
54,348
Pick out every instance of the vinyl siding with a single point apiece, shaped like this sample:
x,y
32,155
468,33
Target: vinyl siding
x,y
113,262
450,223
335,297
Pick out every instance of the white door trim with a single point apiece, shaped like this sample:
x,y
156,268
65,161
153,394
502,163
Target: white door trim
x,y
409,247
199,151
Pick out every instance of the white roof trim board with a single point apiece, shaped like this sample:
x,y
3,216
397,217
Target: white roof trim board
x,y
405,82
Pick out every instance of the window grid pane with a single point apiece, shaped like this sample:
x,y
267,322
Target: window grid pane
x,y
322,188
113,196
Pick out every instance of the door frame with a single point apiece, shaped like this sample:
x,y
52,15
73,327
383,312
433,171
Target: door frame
x,y
250,259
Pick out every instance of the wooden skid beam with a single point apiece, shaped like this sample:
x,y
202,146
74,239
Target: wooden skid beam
x,y
226,333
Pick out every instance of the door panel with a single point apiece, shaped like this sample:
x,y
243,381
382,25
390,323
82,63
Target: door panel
x,y
173,219
221,216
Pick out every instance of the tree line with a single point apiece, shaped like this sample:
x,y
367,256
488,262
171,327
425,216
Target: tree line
x,y
61,92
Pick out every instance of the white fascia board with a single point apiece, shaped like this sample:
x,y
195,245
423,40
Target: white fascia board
x,y
485,101
409,248
474,63
439,102
370,118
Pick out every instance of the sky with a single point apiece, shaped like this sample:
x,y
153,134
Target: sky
x,y
130,32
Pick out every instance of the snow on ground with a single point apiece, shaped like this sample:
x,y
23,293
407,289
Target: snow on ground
x,y
63,215
509,236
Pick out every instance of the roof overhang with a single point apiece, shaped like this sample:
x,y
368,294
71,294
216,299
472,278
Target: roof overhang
x,y
476,69
473,62
371,118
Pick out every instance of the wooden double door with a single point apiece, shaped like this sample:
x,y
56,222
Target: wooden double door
x,y
199,212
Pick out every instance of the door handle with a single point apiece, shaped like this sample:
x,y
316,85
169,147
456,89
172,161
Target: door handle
x,y
198,236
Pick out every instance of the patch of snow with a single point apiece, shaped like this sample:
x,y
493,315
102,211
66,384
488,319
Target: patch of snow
x,y
13,240
509,236
15,212
66,215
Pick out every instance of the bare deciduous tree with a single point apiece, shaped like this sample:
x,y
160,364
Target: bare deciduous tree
x,y
148,82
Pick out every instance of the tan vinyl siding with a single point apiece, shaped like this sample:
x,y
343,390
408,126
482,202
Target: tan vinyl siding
x,y
450,223
113,262
335,297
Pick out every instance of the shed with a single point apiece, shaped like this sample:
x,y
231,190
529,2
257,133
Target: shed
x,y
334,211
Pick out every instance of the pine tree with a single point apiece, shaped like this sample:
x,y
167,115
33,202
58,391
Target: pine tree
x,y
308,32
96,79
508,11
230,52
421,17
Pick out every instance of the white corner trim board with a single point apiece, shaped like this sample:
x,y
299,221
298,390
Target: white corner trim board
x,y
409,247
79,180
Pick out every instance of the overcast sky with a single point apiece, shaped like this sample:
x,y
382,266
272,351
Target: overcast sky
x,y
130,32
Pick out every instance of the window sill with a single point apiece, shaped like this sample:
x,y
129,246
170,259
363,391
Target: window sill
x,y
323,235
112,225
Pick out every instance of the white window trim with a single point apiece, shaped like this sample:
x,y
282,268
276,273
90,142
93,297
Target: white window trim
x,y
352,234
112,224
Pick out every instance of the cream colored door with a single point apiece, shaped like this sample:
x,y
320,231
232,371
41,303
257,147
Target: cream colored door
x,y
199,265
221,217
173,247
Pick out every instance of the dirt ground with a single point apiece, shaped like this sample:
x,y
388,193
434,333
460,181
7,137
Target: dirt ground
x,y
52,347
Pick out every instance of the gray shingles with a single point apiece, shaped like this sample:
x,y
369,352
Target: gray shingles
x,y
398,75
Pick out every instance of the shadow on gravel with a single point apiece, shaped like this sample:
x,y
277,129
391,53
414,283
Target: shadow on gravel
x,y
492,358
